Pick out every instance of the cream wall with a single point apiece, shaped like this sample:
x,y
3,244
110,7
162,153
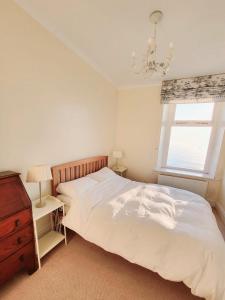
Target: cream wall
x,y
54,108
222,192
138,130
221,196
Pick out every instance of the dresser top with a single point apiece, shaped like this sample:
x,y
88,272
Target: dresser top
x,y
8,174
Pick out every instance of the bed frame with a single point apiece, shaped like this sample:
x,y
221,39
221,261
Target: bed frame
x,y
76,169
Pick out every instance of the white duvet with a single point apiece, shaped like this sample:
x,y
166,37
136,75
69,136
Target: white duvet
x,y
170,231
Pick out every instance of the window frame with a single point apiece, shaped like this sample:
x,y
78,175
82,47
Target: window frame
x,y
168,121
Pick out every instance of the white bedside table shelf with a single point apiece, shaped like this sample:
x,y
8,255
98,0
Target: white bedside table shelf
x,y
49,241
52,238
120,170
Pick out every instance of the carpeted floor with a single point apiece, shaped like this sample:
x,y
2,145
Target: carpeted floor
x,y
83,271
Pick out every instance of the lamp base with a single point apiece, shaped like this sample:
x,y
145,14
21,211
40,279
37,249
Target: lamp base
x,y
40,204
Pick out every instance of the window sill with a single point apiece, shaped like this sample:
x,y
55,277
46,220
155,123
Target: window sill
x,y
184,174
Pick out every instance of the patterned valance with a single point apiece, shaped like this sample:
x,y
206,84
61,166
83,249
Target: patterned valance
x,y
210,88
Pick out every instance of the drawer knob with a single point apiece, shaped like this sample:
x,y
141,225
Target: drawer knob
x,y
17,222
19,240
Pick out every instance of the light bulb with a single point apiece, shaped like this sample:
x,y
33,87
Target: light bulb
x,y
150,41
171,45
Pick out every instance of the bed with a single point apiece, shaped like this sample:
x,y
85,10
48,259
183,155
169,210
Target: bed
x,y
167,230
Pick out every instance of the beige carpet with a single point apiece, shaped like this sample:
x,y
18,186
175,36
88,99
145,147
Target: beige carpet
x,y
82,270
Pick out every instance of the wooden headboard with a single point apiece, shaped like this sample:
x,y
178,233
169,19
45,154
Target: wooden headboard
x,y
76,169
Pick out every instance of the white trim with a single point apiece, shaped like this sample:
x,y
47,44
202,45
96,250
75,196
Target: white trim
x,y
168,120
68,44
168,124
212,139
184,174
221,211
192,124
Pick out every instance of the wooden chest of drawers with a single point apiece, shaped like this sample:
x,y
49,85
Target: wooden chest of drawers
x,y
17,249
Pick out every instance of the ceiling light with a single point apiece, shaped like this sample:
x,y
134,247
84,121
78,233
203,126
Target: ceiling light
x,y
149,64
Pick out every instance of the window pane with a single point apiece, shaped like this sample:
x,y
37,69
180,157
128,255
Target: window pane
x,y
188,147
196,111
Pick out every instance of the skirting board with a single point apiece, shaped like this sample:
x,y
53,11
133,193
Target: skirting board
x,y
221,211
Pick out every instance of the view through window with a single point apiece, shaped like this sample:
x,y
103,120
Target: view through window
x,y
190,135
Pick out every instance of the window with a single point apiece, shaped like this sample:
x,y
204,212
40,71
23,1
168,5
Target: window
x,y
188,147
189,137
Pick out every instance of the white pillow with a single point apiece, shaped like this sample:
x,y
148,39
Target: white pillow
x,y
103,174
65,199
76,188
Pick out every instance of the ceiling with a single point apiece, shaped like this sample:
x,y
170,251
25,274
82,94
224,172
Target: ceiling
x,y
106,32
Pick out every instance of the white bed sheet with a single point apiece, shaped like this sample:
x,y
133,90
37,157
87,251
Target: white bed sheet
x,y
66,200
170,231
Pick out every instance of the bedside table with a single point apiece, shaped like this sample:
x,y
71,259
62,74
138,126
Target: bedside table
x,y
120,170
52,238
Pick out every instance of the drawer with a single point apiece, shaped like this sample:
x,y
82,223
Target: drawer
x,y
23,259
15,241
15,222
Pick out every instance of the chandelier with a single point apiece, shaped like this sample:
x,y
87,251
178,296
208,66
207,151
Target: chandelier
x,y
149,64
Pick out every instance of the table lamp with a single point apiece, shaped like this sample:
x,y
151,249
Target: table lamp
x,y
39,174
117,155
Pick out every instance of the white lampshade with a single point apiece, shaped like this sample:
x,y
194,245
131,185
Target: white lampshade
x,y
117,154
39,173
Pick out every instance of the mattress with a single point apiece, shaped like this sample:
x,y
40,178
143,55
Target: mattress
x,y
170,231
66,200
